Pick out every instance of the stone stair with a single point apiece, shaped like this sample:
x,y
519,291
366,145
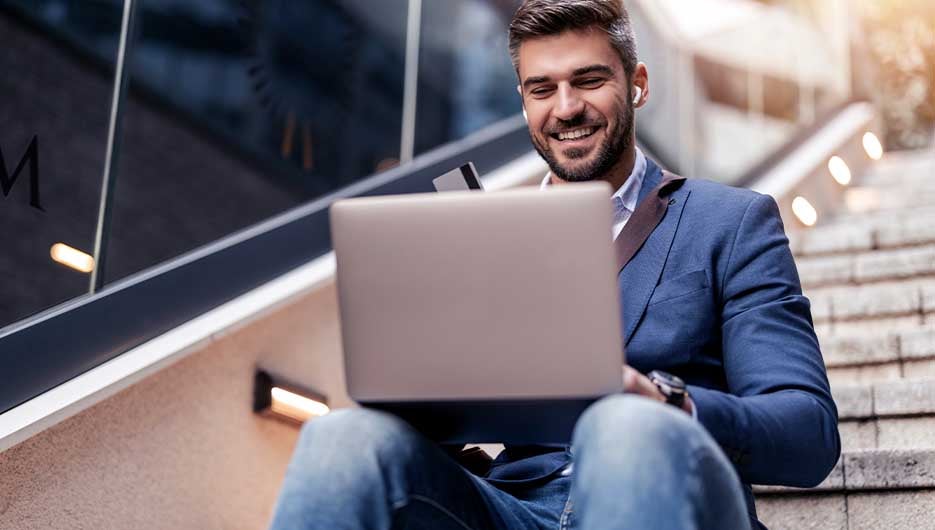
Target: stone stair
x,y
870,275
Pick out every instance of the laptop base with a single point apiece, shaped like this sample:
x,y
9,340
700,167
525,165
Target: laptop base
x,y
514,421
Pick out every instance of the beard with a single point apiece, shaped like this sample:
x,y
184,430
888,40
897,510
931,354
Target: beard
x,y
617,141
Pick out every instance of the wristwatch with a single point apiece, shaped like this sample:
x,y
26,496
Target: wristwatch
x,y
672,387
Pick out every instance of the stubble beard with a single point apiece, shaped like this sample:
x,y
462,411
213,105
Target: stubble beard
x,y
616,142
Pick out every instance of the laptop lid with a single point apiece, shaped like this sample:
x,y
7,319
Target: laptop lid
x,y
499,300
462,296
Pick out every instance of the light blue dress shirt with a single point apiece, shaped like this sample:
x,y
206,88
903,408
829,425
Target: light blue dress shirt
x,y
626,197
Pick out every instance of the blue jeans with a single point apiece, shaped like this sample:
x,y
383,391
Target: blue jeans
x,y
636,465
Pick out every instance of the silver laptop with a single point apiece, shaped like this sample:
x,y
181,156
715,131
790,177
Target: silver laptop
x,y
480,317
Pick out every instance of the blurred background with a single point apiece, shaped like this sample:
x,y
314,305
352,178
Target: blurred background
x,y
239,109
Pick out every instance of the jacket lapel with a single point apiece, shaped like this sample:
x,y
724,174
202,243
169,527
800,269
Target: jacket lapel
x,y
638,279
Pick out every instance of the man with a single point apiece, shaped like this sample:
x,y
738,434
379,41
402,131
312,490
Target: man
x,y
712,296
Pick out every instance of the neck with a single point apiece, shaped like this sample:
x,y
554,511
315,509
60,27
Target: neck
x,y
621,170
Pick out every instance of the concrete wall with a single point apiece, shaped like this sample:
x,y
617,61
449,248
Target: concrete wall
x,y
181,449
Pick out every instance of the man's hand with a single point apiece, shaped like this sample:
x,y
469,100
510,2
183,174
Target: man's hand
x,y
637,383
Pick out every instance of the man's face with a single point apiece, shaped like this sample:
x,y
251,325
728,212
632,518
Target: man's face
x,y
577,102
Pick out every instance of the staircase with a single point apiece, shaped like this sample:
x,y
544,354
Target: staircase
x,y
870,275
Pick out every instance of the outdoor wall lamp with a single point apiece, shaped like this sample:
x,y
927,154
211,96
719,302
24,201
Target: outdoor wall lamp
x,y
839,170
872,146
804,211
280,399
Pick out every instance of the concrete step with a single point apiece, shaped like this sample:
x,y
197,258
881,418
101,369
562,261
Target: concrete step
x,y
868,489
908,167
913,297
886,474
901,176
867,266
868,231
871,470
896,185
863,357
870,275
898,509
887,415
892,203
890,197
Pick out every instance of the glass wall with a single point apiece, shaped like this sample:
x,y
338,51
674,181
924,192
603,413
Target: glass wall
x,y
241,110
57,60
466,79
236,110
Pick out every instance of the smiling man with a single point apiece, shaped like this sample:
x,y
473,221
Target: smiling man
x,y
576,95
711,296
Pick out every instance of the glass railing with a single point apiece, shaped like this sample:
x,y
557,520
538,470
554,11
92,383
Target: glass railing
x,y
466,79
237,110
57,59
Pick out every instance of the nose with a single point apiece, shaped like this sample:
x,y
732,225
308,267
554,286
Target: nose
x,y
569,103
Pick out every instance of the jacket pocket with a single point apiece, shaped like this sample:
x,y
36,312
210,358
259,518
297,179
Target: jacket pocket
x,y
679,324
681,285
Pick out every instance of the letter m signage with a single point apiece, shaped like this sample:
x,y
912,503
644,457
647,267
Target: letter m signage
x,y
7,180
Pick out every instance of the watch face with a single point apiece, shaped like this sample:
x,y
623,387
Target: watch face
x,y
669,380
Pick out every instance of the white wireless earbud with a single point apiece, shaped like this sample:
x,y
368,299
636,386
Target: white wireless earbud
x,y
639,95
525,117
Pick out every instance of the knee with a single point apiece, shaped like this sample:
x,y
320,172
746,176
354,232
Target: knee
x,y
637,425
352,433
347,453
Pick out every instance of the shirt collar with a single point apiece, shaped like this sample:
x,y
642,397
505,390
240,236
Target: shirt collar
x,y
628,194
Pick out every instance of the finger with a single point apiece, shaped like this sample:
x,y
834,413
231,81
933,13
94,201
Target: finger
x,y
637,383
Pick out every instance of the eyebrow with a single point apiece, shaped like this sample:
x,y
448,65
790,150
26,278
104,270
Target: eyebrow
x,y
577,72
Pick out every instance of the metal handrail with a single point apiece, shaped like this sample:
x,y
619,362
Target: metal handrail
x,y
773,159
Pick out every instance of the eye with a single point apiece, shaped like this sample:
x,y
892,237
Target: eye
x,y
591,82
540,92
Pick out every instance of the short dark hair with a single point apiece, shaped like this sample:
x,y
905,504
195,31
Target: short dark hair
x,y
541,18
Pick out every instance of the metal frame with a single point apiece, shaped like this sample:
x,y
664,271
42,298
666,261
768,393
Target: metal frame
x,y
112,156
411,86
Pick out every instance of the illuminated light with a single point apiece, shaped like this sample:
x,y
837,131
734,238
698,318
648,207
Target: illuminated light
x,y
839,170
872,146
285,401
72,257
299,408
804,211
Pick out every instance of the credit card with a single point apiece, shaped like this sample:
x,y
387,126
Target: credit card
x,y
460,179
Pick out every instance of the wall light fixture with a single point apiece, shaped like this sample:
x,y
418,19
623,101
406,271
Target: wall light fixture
x,y
275,397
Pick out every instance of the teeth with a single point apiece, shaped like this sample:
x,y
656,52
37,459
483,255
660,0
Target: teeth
x,y
577,133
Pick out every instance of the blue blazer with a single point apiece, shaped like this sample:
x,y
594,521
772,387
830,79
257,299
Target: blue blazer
x,y
713,296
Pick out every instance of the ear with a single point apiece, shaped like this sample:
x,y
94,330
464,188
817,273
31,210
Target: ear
x,y
641,82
